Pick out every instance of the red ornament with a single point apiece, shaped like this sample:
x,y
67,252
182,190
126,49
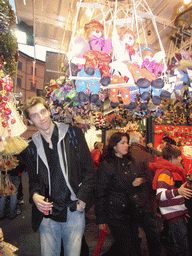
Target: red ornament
x,y
4,124
8,163
2,106
5,98
8,83
7,111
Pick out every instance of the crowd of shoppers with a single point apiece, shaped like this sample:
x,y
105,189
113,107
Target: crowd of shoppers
x,y
129,189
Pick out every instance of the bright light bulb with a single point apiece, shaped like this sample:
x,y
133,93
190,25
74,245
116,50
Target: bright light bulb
x,y
187,1
89,12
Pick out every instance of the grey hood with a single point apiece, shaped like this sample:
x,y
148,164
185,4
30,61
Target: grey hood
x,y
37,139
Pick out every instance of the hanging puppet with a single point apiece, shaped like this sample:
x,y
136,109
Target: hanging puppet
x,y
95,50
141,69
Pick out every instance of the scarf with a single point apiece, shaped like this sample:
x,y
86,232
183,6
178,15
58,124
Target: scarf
x,y
162,164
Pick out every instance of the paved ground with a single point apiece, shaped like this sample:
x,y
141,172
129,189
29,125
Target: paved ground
x,y
19,233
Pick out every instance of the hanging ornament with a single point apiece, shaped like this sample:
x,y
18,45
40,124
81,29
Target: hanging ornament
x,y
8,83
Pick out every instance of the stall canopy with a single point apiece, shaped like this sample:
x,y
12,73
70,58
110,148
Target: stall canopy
x,y
53,21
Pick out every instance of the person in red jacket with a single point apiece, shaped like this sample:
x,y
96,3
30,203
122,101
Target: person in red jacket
x,y
170,185
96,153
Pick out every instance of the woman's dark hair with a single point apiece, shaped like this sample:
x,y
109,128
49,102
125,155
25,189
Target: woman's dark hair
x,y
114,139
171,151
169,140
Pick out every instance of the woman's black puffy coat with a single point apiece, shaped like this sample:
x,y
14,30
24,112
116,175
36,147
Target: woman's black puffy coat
x,y
114,191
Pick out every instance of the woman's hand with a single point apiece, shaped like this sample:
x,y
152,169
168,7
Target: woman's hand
x,y
138,181
102,226
41,205
150,145
185,192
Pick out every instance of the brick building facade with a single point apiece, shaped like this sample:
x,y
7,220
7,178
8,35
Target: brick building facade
x,y
24,82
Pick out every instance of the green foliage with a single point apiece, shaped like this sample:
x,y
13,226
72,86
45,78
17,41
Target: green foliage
x,y
8,41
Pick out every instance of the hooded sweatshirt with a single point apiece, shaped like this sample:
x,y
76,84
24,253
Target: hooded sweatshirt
x,y
171,204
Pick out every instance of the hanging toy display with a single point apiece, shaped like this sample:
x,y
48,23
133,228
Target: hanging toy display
x,y
83,85
144,70
127,65
61,98
95,51
51,87
11,123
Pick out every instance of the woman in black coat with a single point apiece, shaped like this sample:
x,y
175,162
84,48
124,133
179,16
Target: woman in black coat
x,y
114,206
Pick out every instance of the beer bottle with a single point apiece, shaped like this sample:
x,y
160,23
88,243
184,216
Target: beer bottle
x,y
47,199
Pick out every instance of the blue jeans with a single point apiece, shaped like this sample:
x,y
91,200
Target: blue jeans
x,y
8,203
71,231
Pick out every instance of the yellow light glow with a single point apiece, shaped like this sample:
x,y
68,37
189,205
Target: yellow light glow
x,y
187,151
187,1
21,37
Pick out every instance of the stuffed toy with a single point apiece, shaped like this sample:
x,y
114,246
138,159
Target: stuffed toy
x,y
181,78
100,60
121,75
98,52
124,52
114,92
121,92
81,85
146,76
123,46
95,50
151,63
144,70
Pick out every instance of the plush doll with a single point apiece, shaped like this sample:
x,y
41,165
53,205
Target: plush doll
x,y
181,78
124,52
95,51
124,46
145,71
151,63
121,92
121,75
81,85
